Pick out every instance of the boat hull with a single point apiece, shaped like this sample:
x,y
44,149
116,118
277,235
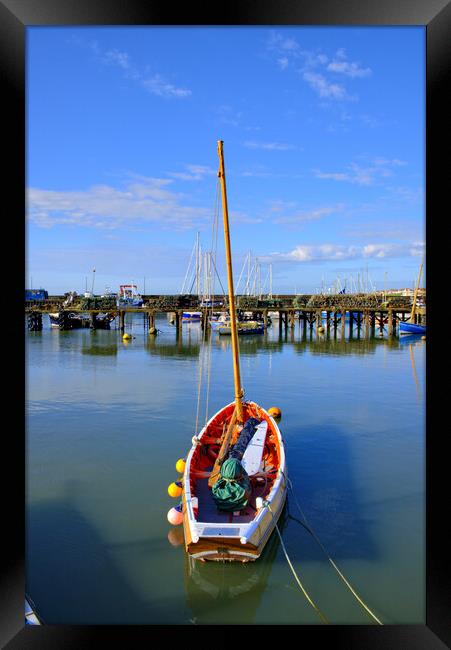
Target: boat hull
x,y
225,536
216,324
230,549
192,317
124,302
74,321
411,328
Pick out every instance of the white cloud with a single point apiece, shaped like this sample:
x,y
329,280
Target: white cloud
x,y
380,167
379,250
279,43
159,86
270,146
228,115
255,173
316,67
142,201
309,215
155,84
119,58
395,162
409,194
283,62
325,88
349,69
335,252
417,248
194,173
242,217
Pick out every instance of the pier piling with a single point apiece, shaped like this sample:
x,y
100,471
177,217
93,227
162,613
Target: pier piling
x,y
390,322
364,310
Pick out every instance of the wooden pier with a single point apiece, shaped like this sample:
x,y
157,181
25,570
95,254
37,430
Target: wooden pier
x,y
361,313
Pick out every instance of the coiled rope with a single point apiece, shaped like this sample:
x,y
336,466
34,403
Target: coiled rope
x,y
312,532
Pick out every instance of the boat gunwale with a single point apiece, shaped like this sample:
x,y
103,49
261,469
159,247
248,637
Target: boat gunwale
x,y
251,526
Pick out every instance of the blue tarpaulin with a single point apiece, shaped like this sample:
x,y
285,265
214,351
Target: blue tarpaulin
x,y
245,437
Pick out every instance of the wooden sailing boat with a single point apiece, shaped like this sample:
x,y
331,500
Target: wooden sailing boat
x,y
232,530
409,326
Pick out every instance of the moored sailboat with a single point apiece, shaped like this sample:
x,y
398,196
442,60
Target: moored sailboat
x,y
234,483
410,326
243,327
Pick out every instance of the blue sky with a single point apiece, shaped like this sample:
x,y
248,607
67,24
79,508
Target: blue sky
x,y
324,144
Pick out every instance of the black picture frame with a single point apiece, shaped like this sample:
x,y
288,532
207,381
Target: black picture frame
x,y
435,16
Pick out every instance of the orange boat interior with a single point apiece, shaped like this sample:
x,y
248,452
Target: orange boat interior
x,y
205,455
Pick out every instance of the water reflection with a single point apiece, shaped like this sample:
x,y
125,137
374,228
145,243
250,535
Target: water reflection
x,y
321,344
115,418
249,345
334,346
229,592
64,550
99,346
177,348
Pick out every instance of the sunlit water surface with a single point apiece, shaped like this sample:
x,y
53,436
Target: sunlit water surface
x,y
107,421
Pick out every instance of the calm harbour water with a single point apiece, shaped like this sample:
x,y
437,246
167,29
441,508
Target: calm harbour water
x,y
107,421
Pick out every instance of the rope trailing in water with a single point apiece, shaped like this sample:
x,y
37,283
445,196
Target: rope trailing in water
x,y
312,532
318,611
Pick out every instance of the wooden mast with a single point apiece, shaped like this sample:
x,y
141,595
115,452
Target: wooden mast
x,y
412,313
233,323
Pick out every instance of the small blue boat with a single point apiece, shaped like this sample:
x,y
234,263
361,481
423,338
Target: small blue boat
x,y
410,328
192,316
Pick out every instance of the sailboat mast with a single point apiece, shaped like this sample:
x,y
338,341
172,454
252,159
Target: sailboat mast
x,y
233,324
197,264
412,313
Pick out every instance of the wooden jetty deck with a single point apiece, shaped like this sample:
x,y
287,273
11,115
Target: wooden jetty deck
x,y
367,311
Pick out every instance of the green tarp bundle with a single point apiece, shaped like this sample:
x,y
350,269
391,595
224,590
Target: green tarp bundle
x,y
233,488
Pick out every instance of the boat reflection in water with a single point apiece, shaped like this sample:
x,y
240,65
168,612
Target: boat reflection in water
x,y
227,592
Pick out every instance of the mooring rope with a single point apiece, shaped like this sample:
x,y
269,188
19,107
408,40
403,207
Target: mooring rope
x,y
312,532
315,607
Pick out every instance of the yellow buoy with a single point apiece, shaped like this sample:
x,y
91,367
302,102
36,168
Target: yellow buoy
x,y
126,337
175,489
275,412
152,330
320,329
180,465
